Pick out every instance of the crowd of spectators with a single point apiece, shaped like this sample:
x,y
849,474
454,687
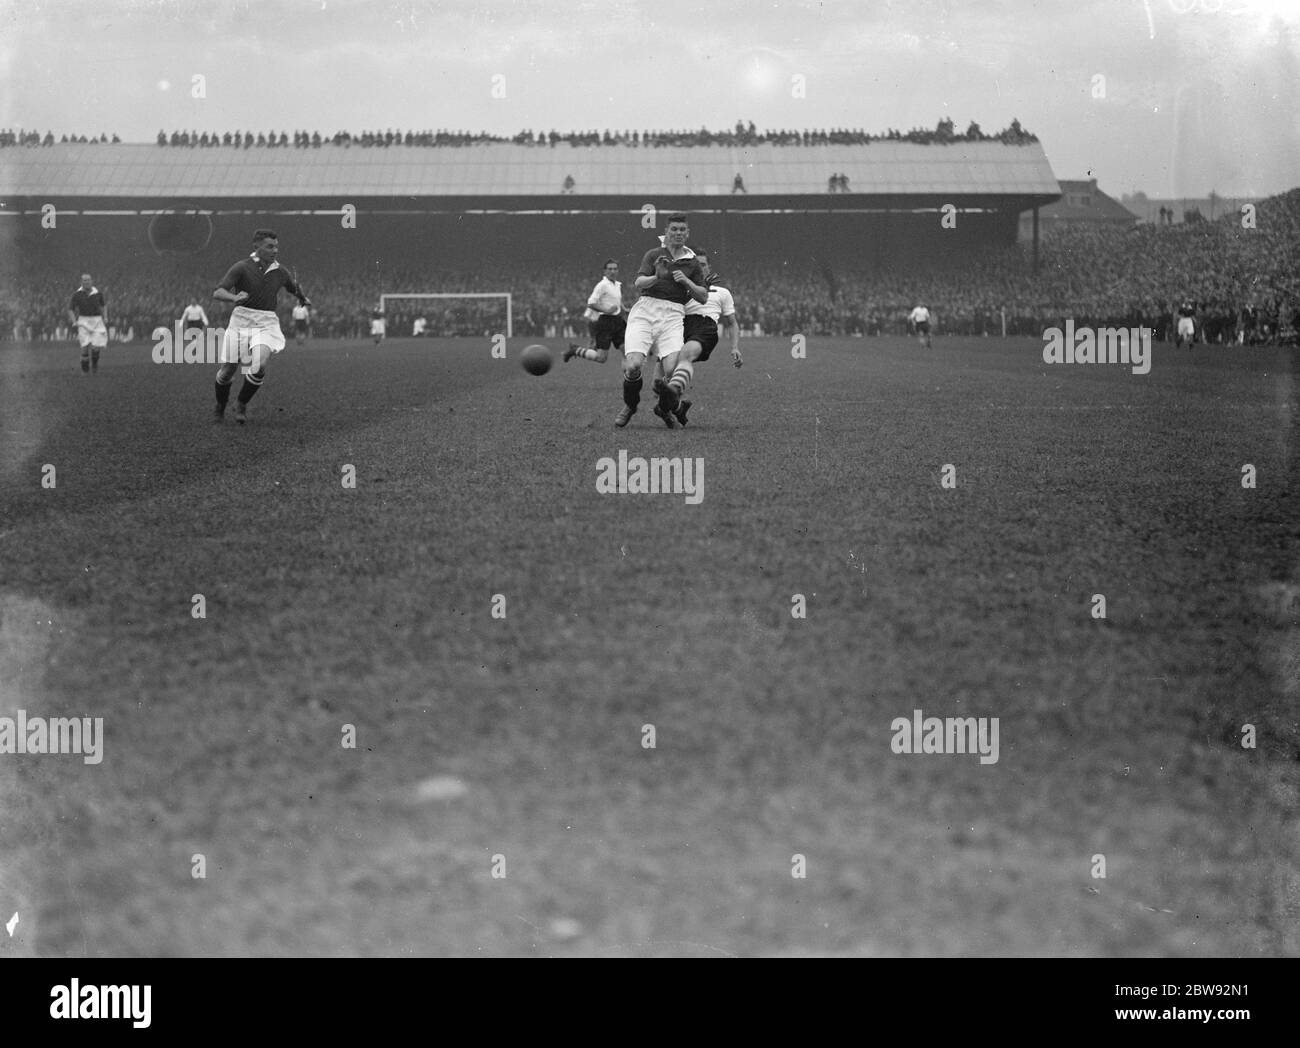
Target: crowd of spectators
x,y
35,138
742,135
1243,281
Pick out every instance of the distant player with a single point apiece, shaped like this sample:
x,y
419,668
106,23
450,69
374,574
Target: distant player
x,y
253,335
89,315
193,318
377,324
919,318
301,323
1186,325
699,336
605,318
667,278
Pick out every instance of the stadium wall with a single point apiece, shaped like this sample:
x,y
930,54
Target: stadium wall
x,y
386,243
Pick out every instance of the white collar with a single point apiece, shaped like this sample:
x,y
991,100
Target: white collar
x,y
93,290
663,242
273,265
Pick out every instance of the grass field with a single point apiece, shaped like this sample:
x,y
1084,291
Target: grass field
x,y
522,737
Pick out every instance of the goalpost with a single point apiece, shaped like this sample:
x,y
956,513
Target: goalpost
x,y
510,327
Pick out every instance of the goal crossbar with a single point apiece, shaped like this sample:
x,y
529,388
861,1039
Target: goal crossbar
x,y
510,327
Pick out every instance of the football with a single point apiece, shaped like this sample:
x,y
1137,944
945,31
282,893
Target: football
x,y
536,359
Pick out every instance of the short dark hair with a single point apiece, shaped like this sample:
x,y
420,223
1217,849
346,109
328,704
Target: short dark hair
x,y
611,262
265,234
677,216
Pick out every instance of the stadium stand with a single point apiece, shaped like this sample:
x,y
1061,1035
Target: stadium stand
x,y
1097,274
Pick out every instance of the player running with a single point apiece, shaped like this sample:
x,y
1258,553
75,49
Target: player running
x,y
253,335
89,315
919,319
605,319
699,336
667,278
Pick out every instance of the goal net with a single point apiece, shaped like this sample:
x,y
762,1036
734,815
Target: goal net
x,y
469,313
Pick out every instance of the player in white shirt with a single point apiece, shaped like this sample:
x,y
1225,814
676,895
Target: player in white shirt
x,y
699,336
919,319
194,317
605,318
377,323
301,320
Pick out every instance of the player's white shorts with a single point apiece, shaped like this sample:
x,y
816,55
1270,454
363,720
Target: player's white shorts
x,y
91,331
376,327
251,338
1186,328
654,327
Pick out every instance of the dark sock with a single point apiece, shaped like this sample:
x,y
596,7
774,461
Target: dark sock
x,y
223,393
94,359
247,390
85,362
632,392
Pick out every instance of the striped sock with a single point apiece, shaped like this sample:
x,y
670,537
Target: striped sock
x,y
587,353
682,374
252,383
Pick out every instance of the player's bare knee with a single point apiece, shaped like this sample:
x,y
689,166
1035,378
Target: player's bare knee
x,y
226,374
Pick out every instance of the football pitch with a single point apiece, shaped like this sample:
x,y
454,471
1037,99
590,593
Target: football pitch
x,y
592,723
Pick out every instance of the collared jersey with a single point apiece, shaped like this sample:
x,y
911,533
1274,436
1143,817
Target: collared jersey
x,y
607,297
263,283
667,287
194,312
920,315
300,312
87,303
718,304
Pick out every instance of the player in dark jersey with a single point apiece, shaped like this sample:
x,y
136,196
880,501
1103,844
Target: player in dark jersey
x,y
668,276
89,315
253,335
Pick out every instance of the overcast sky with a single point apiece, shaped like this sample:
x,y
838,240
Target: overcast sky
x,y
1192,102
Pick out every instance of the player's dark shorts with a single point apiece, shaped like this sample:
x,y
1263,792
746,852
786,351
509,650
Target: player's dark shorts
x,y
606,330
701,329
922,327
190,325
300,327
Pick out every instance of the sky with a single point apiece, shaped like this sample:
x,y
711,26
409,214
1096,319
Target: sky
x,y
1176,98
